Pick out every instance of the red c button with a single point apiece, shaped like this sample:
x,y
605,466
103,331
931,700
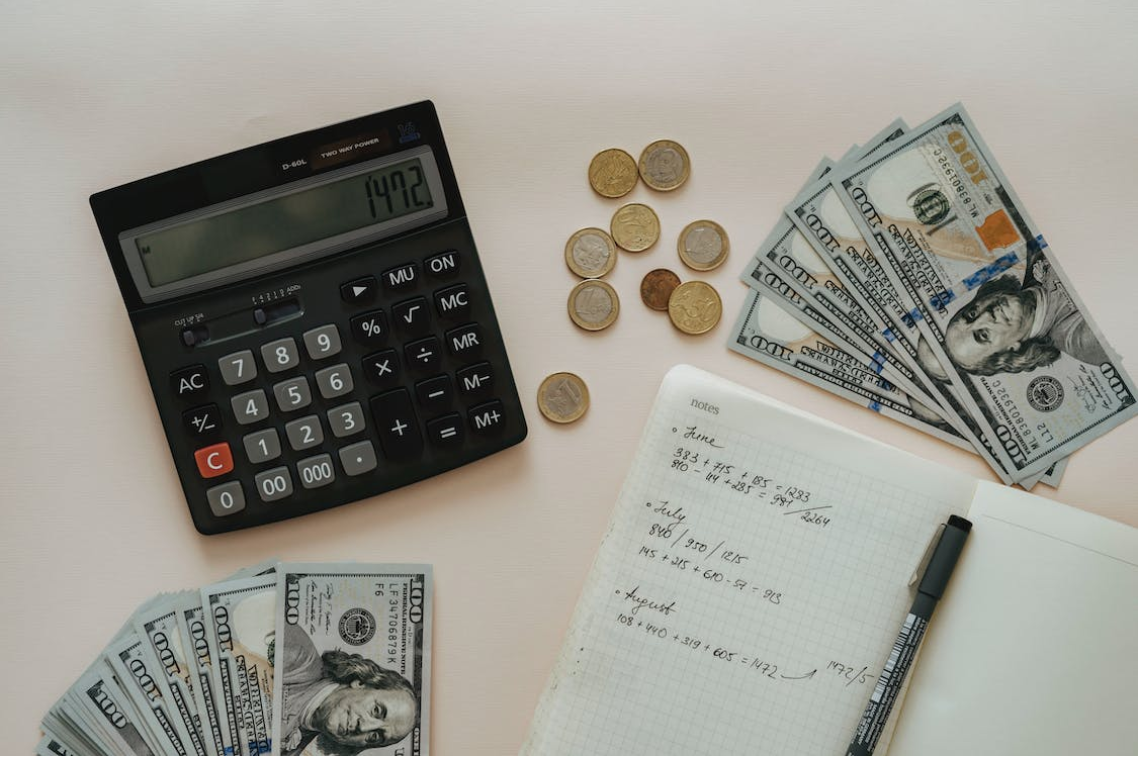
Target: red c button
x,y
215,460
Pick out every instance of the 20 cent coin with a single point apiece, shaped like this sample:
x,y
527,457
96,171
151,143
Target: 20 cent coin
x,y
635,227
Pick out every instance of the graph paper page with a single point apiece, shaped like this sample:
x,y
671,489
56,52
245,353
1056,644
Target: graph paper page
x,y
749,587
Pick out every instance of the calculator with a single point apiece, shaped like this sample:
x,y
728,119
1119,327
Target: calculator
x,y
313,318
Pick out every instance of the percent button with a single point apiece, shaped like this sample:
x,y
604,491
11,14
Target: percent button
x,y
370,328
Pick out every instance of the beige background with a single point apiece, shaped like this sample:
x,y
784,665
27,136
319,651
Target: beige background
x,y
94,520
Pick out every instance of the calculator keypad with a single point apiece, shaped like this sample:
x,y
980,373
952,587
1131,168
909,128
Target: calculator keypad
x,y
400,379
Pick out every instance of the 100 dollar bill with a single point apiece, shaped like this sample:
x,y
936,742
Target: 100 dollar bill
x,y
353,659
1000,321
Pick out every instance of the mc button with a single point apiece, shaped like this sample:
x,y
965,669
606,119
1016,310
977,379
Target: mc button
x,y
189,381
215,460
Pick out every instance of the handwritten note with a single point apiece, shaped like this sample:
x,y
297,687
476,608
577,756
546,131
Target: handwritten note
x,y
748,589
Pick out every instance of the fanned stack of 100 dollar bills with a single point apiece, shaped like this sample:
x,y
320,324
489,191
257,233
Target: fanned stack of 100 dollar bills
x,y
280,658
908,277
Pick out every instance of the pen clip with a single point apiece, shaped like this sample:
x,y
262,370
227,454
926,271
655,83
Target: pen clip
x,y
919,570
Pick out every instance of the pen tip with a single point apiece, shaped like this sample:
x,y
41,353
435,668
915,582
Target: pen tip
x,y
959,522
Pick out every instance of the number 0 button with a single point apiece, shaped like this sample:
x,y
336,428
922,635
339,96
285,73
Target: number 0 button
x,y
226,499
274,484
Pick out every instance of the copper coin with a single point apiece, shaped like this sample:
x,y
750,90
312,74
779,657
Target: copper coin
x,y
657,286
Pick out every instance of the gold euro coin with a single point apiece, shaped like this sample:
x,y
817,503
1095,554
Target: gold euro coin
x,y
593,305
657,286
664,165
612,173
563,397
590,253
694,307
635,227
703,245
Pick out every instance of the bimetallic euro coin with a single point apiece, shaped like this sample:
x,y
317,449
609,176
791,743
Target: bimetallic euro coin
x,y
593,305
694,307
657,286
591,253
703,245
563,397
612,173
664,165
635,227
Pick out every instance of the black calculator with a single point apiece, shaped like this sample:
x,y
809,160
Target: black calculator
x,y
313,318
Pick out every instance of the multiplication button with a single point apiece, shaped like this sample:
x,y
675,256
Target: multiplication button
x,y
274,484
226,499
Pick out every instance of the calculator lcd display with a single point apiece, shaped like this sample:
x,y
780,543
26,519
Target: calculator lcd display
x,y
284,222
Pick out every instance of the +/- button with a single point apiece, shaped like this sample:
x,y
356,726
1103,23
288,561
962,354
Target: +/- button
x,y
215,460
200,421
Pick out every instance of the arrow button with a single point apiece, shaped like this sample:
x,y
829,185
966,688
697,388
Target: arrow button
x,y
359,290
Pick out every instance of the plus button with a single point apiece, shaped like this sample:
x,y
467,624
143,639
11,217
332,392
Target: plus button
x,y
399,427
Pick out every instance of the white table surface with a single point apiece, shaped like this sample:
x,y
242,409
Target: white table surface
x,y
94,95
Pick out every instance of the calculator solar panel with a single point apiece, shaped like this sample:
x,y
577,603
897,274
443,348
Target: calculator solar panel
x,y
313,318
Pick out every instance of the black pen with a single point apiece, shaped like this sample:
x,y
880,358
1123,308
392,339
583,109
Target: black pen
x,y
932,586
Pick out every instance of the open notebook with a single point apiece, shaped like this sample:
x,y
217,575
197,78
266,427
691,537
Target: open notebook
x,y
755,573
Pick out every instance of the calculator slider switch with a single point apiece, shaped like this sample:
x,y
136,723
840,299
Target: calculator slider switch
x,y
215,460
400,277
190,381
396,425
278,311
195,335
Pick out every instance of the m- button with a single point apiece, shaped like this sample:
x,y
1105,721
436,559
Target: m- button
x,y
215,460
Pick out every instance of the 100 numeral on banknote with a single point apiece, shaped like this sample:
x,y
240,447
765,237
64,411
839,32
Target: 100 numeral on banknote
x,y
353,659
999,319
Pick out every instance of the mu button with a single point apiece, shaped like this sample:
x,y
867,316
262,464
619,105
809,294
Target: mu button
x,y
215,460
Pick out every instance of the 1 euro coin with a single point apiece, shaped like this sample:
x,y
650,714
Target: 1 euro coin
x,y
563,397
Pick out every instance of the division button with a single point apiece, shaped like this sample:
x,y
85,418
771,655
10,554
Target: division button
x,y
487,418
189,381
382,368
412,316
359,291
446,431
443,264
401,277
226,499
465,341
453,302
475,380
434,393
200,421
316,472
369,329
424,354
358,458
262,446
396,424
215,460
274,484
237,368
